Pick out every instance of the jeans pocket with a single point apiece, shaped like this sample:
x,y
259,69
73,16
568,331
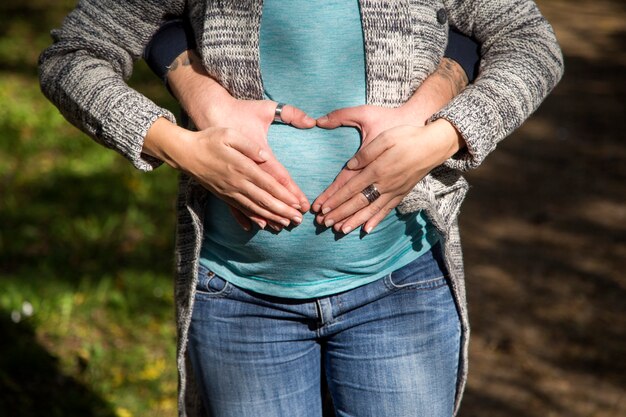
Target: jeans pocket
x,y
211,285
425,273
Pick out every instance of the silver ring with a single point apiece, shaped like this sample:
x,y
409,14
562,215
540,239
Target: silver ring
x,y
278,113
371,193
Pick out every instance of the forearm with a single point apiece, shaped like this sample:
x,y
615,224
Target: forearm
x,y
453,77
187,79
166,142
448,80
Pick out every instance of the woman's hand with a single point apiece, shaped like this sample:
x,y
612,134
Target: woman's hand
x,y
253,118
228,164
371,121
210,105
434,93
393,162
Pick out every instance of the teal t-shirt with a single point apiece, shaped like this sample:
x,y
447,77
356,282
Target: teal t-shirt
x,y
312,57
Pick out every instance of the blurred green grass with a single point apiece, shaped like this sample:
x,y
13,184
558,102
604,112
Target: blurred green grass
x,y
86,244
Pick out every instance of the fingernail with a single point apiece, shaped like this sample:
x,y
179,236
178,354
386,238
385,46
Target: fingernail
x,y
263,155
262,224
353,163
309,119
296,206
284,222
297,219
329,222
368,229
325,210
246,228
346,230
323,119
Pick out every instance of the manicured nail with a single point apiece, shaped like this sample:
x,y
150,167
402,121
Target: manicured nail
x,y
263,155
296,206
368,229
323,119
329,222
325,210
309,119
284,222
346,230
261,224
353,163
246,228
297,219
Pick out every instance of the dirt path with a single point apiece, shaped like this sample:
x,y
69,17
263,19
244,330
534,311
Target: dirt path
x,y
544,231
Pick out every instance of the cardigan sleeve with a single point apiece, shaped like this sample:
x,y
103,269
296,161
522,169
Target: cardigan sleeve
x,y
84,72
520,64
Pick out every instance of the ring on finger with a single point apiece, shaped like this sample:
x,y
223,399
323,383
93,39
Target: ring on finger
x,y
278,112
371,193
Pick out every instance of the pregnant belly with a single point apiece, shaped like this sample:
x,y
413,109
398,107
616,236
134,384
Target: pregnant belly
x,y
315,156
306,252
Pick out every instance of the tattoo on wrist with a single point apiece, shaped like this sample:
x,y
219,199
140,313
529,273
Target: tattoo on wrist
x,y
452,72
184,60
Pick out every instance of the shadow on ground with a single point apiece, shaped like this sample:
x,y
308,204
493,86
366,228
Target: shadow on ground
x,y
544,230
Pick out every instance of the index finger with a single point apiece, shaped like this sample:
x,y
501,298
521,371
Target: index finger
x,y
339,181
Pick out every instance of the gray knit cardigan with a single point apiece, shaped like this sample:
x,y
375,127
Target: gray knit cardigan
x,y
84,74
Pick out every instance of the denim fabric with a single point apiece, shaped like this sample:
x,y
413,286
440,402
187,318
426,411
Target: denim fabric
x,y
388,348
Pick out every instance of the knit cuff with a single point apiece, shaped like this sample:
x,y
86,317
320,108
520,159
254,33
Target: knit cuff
x,y
480,124
126,126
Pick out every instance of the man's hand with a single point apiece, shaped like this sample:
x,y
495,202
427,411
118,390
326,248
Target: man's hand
x,y
434,93
210,105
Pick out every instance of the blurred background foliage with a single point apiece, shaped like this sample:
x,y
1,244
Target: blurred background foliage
x,y
86,244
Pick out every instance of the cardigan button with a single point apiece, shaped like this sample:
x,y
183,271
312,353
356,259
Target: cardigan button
x,y
442,16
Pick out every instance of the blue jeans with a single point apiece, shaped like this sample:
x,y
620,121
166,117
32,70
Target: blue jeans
x,y
388,348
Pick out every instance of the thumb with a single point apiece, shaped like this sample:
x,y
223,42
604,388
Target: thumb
x,y
295,117
348,116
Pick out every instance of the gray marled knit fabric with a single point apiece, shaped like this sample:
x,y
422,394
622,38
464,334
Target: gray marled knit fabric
x,y
83,73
